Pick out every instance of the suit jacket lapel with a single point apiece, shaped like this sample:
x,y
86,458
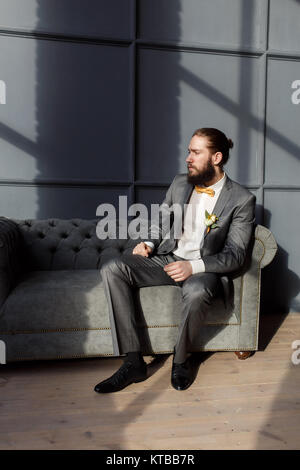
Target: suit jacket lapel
x,y
222,199
189,188
185,195
220,204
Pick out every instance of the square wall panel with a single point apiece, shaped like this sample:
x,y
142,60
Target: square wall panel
x,y
226,23
181,91
67,111
25,202
283,116
284,31
100,18
282,214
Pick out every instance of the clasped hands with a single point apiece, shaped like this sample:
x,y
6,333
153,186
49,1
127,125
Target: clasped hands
x,y
178,270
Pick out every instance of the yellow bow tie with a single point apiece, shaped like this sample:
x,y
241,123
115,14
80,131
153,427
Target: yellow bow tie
x,y
208,191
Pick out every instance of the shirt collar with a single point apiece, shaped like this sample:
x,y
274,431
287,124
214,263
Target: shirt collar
x,y
219,184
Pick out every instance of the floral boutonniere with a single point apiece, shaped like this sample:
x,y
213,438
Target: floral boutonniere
x,y
210,221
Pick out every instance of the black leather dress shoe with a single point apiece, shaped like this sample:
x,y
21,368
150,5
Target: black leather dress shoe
x,y
126,375
182,375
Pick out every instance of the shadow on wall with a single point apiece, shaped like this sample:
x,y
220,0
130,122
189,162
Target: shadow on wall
x,y
82,109
80,95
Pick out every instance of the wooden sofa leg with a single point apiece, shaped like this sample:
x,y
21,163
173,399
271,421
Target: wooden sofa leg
x,y
243,354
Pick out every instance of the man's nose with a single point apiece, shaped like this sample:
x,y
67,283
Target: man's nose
x,y
188,158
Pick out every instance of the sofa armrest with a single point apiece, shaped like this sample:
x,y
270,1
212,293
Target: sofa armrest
x,y
263,251
264,236
10,256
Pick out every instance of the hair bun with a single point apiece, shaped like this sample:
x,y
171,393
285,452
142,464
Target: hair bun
x,y
230,143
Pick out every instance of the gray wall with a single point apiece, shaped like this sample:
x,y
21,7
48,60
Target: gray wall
x,y
102,97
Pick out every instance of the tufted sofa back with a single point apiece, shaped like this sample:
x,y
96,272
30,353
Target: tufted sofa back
x,y
56,244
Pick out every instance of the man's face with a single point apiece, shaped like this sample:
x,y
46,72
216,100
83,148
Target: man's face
x,y
200,165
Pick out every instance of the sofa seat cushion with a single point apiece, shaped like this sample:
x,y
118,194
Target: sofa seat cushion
x,y
68,300
51,300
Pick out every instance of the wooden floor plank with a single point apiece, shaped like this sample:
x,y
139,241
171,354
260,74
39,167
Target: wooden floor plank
x,y
233,404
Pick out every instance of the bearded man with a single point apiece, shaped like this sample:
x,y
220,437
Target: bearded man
x,y
216,231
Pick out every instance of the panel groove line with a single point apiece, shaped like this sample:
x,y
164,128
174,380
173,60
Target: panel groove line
x,y
66,183
64,38
208,48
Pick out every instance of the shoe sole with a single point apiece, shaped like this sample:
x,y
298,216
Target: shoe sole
x,y
139,380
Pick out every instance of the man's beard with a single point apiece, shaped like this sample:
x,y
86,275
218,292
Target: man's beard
x,y
206,175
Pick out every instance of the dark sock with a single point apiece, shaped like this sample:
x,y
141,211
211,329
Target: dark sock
x,y
183,362
135,357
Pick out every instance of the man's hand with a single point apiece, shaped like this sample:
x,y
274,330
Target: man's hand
x,y
142,249
179,270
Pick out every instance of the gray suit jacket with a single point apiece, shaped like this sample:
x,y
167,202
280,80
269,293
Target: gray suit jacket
x,y
224,248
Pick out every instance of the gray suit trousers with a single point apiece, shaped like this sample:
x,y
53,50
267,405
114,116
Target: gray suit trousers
x,y
122,275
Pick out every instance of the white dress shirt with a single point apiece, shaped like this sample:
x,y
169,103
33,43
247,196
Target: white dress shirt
x,y
194,228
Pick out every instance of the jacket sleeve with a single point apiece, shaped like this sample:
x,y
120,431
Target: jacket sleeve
x,y
233,254
160,226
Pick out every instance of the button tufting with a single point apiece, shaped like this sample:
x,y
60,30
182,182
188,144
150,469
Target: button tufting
x,y
76,249
64,235
41,235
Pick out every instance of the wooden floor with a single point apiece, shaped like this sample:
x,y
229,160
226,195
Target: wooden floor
x,y
233,404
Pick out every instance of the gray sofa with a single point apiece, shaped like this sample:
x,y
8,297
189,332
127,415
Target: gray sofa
x,y
52,304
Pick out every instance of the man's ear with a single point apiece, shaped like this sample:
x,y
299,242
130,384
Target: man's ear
x,y
217,158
